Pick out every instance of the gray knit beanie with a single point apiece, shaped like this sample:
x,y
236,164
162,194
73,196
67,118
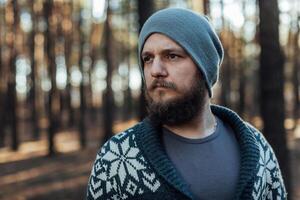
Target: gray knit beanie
x,y
193,33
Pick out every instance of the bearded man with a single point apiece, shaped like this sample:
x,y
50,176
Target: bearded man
x,y
186,148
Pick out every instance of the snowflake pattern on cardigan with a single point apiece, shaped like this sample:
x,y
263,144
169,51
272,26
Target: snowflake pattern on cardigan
x,y
269,183
120,171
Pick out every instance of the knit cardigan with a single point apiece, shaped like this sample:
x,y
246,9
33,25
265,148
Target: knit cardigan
x,y
134,165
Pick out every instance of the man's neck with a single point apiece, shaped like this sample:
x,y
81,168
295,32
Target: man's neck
x,y
201,126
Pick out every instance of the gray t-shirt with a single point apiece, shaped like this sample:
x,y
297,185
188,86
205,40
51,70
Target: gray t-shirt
x,y
210,165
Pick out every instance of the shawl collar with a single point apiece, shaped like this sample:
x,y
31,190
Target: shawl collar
x,y
149,141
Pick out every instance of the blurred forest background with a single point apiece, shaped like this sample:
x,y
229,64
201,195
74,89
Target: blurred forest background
x,y
69,80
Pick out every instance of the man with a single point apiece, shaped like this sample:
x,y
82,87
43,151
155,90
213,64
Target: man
x,y
186,148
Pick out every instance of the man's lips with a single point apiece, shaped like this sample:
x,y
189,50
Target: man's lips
x,y
160,87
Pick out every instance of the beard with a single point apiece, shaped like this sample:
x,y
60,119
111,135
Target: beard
x,y
179,110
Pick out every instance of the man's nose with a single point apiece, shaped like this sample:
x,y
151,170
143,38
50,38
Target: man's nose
x,y
158,68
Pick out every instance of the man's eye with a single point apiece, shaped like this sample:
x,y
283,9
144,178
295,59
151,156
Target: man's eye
x,y
172,56
146,59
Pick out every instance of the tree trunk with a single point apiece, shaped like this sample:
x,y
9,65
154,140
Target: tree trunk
x,y
48,6
145,9
242,90
2,90
271,84
225,80
127,93
243,65
225,76
93,55
82,132
12,96
68,44
32,94
206,7
108,101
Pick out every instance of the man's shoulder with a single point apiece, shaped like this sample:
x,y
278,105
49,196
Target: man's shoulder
x,y
124,139
120,170
260,138
127,133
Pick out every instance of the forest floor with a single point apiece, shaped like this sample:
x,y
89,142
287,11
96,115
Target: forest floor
x,y
29,174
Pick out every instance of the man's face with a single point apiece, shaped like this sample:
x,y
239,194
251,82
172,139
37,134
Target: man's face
x,y
169,71
175,90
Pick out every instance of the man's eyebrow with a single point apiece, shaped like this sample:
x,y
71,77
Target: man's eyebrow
x,y
178,50
145,53
166,50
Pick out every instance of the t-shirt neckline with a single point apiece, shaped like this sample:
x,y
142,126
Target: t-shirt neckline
x,y
212,136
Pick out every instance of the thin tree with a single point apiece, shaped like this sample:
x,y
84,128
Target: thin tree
x,y
94,51
48,9
127,93
68,44
82,132
225,77
206,7
32,94
241,70
108,101
12,96
2,89
271,83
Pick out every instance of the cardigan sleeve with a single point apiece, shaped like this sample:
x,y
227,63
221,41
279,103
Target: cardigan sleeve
x,y
277,188
269,176
99,185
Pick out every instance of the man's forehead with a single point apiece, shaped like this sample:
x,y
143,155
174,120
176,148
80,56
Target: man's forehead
x,y
161,41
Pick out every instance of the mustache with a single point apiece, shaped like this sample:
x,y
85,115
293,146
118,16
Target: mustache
x,y
161,83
